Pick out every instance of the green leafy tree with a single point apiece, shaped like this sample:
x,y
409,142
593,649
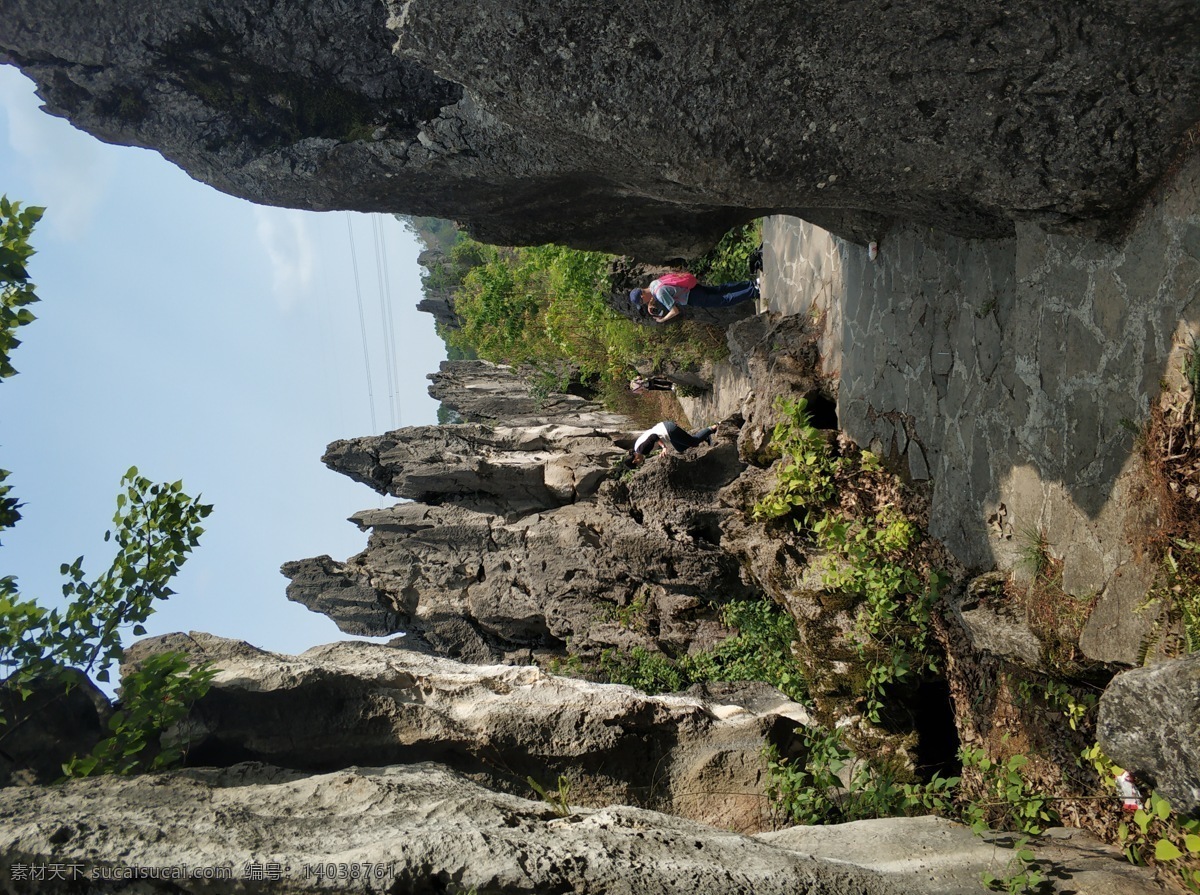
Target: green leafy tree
x,y
155,528
547,308
16,292
729,260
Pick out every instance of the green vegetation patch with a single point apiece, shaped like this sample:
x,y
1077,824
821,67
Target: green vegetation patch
x,y
830,784
761,649
850,509
549,309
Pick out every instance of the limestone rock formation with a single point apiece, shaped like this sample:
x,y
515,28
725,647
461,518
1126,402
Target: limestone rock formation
x,y
355,703
481,578
520,468
483,392
523,536
596,125
424,829
1150,724
930,855
436,301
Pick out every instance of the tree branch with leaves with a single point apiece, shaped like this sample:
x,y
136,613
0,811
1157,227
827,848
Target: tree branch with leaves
x,y
155,528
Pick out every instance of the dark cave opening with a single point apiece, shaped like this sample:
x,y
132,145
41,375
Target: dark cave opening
x,y
937,734
928,710
822,412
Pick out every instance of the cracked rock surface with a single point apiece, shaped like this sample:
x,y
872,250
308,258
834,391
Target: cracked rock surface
x,y
424,829
353,703
1013,375
592,125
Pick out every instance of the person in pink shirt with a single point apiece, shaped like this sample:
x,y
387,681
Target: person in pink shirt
x,y
667,296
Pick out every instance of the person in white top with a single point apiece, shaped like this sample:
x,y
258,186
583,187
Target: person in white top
x,y
651,384
667,433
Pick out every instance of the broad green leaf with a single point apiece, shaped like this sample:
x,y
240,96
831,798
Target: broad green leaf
x,y
1162,808
1142,819
1165,850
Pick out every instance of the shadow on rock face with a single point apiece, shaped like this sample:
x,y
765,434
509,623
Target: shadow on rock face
x,y
586,127
63,717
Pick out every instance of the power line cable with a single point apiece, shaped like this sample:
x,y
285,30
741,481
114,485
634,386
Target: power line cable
x,y
362,324
391,325
388,360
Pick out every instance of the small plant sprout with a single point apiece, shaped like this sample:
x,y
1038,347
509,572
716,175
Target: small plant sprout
x,y
1035,552
557,798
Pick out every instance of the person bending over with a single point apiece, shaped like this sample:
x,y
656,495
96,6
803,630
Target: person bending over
x,y
667,434
666,297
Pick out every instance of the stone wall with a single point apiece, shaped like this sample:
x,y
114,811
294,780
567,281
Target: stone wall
x,y
1014,374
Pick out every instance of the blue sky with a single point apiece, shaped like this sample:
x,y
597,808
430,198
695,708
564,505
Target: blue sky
x,y
203,338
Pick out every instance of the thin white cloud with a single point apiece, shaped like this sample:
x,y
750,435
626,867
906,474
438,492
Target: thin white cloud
x,y
69,171
287,240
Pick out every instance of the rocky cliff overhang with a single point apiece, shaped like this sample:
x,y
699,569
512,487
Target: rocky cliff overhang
x,y
634,128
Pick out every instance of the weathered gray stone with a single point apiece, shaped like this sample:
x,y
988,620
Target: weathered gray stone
x,y
1083,566
60,718
531,122
423,829
918,469
483,392
357,606
1149,724
1083,337
930,854
346,704
520,538
1117,626
1109,307
480,583
524,468
993,625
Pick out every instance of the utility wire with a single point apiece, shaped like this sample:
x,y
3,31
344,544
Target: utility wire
x,y
362,324
391,327
388,358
